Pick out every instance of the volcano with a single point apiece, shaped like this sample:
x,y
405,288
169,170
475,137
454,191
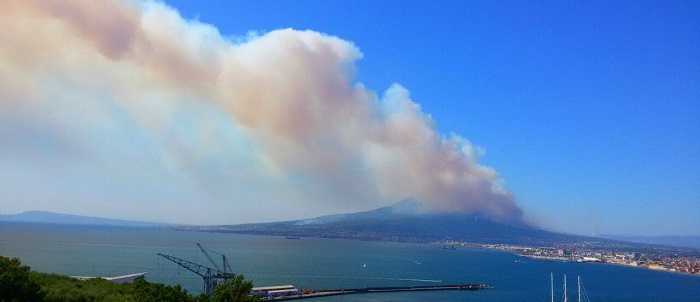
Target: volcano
x,y
406,221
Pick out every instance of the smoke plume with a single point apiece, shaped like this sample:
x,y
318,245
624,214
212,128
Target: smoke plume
x,y
298,114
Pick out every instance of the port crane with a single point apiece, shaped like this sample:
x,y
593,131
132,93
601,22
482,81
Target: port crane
x,y
211,276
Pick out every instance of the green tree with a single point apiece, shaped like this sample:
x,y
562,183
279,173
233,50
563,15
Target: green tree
x,y
15,283
153,292
236,289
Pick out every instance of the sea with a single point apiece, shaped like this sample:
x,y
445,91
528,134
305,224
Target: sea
x,y
318,263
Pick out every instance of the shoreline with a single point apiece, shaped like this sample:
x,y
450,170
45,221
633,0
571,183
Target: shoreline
x,y
563,259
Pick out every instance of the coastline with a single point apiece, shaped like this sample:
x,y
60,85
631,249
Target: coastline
x,y
564,259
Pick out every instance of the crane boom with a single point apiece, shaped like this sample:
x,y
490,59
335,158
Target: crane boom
x,y
196,268
206,254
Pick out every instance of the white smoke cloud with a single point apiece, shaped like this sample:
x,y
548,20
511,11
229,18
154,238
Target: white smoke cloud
x,y
281,110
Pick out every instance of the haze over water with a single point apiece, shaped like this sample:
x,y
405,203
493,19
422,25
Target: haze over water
x,y
326,263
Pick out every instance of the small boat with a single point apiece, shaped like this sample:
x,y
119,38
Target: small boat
x,y
582,296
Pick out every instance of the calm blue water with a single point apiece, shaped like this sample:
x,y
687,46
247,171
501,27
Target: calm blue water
x,y
324,263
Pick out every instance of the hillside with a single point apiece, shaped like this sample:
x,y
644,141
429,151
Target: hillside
x,y
403,222
20,283
677,241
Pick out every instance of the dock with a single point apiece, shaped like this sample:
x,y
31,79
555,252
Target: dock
x,y
307,294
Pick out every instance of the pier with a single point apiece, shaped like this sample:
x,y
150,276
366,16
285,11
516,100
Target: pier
x,y
307,294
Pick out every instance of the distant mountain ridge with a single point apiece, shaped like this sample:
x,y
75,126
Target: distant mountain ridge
x,y
70,219
678,241
405,221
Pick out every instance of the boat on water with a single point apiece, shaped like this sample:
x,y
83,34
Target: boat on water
x,y
581,292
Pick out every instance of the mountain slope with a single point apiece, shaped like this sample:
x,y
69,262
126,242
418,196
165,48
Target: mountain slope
x,y
405,222
678,241
69,219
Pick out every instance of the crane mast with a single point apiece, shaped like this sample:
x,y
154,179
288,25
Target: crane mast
x,y
225,267
206,254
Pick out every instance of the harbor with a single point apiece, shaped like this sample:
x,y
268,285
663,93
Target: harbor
x,y
219,273
323,264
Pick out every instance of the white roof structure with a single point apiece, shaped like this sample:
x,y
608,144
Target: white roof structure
x,y
116,279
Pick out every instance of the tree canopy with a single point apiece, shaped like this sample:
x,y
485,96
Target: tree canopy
x,y
19,284
236,289
15,282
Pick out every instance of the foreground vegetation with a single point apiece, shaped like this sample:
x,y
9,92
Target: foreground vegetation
x,y
19,284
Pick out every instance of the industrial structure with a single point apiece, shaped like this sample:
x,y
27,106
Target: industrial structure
x,y
211,276
277,291
289,292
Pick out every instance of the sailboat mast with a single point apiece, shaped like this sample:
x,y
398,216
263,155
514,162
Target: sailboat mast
x,y
551,284
566,299
579,287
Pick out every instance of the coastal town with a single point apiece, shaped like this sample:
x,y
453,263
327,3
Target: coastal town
x,y
654,259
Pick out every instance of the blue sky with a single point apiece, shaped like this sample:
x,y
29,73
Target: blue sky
x,y
586,112
589,111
